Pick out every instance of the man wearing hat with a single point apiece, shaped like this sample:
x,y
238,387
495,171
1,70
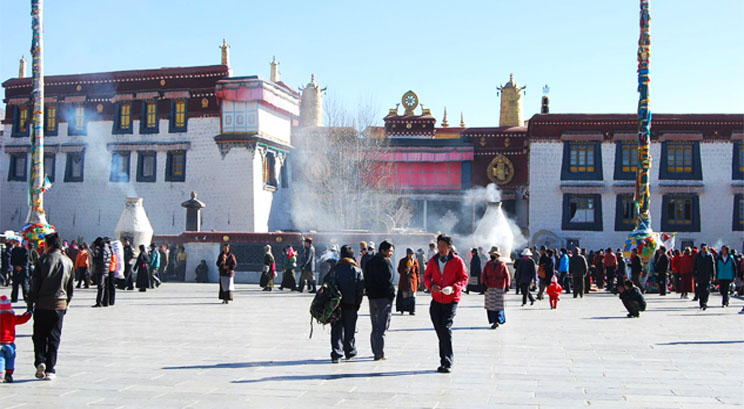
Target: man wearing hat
x,y
19,261
526,274
496,279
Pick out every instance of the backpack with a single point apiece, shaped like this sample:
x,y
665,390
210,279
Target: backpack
x,y
325,306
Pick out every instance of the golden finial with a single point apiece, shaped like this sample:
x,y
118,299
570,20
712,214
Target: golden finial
x,y
462,120
225,56
444,121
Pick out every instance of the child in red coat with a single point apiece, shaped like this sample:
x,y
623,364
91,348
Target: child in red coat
x,y
8,321
554,291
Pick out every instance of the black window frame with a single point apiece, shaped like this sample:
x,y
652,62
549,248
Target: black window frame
x,y
738,161
55,130
68,167
12,162
117,129
696,172
596,225
144,129
623,200
738,219
71,111
51,175
566,173
141,156
15,132
120,175
620,174
170,157
172,128
667,225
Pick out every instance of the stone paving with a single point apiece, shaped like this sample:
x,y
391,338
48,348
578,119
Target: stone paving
x,y
178,347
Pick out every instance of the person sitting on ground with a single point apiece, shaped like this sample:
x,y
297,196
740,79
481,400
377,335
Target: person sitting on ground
x,y
554,292
202,271
8,322
632,299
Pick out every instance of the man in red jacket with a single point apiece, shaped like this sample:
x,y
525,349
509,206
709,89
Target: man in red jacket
x,y
446,277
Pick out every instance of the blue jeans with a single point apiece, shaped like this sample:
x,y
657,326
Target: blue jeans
x,y
380,310
7,357
496,316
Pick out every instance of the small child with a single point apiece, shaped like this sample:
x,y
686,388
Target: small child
x,y
554,291
8,321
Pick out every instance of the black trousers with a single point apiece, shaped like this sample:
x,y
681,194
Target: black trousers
x,y
633,307
47,335
110,290
525,288
442,316
661,281
578,285
20,279
724,286
610,272
343,341
101,289
702,292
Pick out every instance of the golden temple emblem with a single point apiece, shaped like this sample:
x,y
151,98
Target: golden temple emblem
x,y
204,102
79,88
99,108
483,141
500,170
162,83
507,142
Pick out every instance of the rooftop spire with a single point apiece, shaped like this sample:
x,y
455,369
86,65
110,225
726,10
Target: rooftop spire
x,y
444,121
225,52
22,67
462,120
274,70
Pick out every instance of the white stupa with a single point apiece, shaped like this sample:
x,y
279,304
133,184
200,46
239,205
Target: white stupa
x,y
134,224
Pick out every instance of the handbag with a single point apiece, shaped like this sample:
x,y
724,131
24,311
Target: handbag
x,y
541,272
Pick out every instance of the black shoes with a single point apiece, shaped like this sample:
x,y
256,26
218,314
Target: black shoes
x,y
444,369
350,356
380,358
334,360
494,325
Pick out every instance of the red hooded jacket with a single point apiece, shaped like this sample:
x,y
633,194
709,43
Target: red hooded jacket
x,y
8,322
455,275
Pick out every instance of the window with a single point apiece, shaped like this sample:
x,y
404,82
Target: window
x,y
50,122
175,166
17,167
119,167
680,212
75,166
146,166
738,165
680,160
149,121
123,118
269,169
20,121
76,122
626,160
582,212
738,212
624,213
179,116
581,161
421,175
49,159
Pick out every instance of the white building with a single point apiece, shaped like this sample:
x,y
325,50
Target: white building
x,y
582,178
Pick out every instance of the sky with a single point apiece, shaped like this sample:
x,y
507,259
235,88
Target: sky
x,y
452,54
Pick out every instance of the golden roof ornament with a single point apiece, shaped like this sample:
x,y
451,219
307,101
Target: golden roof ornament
x,y
462,120
444,121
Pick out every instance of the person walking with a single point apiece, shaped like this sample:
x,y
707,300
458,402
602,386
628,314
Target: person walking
x,y
525,274
476,270
308,266
545,271
378,283
142,268
128,283
446,277
725,273
289,265
6,268
226,263
408,270
348,278
269,270
421,258
578,267
661,267
82,264
563,271
19,261
101,261
155,264
686,284
497,280
554,292
610,268
704,270
111,280
50,294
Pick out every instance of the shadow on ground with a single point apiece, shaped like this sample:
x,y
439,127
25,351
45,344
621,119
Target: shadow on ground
x,y
330,377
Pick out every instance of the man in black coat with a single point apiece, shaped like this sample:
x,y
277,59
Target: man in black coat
x,y
378,282
19,261
101,263
6,269
703,270
636,268
578,267
348,278
525,273
661,266
632,299
128,281
308,266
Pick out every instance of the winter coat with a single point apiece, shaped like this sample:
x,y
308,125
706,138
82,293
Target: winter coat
x,y
378,277
636,267
349,280
496,275
365,258
554,291
454,275
546,262
19,257
52,282
725,268
101,259
290,263
142,266
610,260
475,266
634,294
704,267
81,260
661,264
155,259
577,265
308,260
526,272
563,263
7,266
8,322
226,264
409,279
620,264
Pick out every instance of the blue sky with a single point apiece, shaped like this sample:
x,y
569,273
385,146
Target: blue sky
x,y
452,54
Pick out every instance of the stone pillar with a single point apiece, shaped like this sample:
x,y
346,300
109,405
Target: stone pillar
x,y
193,212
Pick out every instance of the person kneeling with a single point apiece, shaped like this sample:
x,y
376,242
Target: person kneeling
x,y
632,299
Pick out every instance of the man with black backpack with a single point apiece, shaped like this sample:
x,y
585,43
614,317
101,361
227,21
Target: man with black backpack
x,y
347,277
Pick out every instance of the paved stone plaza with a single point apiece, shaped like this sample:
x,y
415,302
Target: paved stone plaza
x,y
178,347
